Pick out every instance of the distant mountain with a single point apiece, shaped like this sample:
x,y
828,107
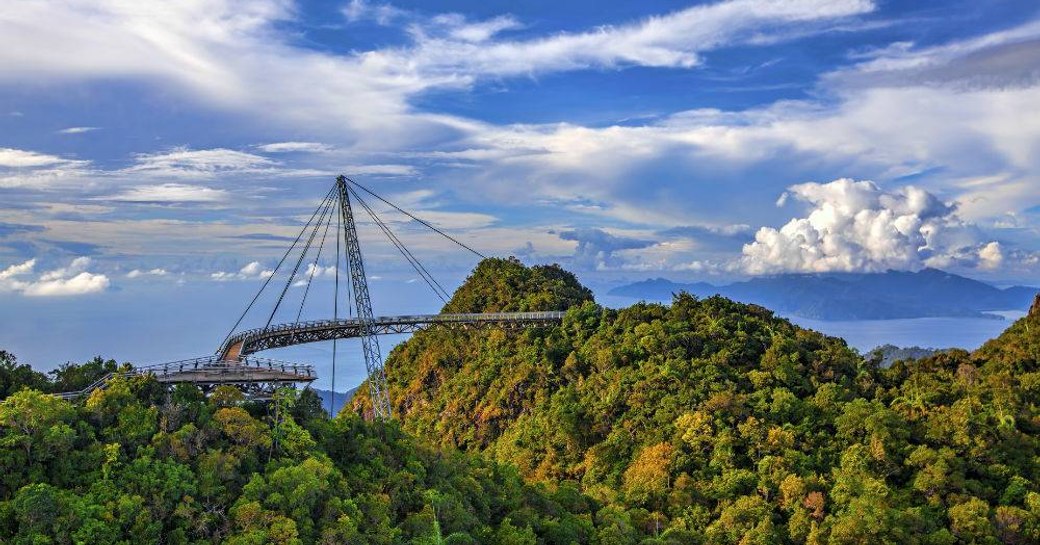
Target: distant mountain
x,y
342,398
854,296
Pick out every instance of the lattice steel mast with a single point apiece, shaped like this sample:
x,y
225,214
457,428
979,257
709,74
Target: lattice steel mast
x,y
369,342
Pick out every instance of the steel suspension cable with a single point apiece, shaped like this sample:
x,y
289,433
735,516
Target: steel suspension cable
x,y
303,254
275,271
439,290
408,255
314,268
335,305
405,212
412,260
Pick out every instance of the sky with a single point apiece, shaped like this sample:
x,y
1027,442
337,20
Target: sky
x,y
157,158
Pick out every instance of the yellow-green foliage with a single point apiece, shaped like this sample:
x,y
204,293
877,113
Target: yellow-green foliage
x,y
134,464
721,423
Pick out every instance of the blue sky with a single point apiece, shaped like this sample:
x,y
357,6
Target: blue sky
x,y
151,153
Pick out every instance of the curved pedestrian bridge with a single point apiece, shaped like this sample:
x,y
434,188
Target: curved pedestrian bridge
x,y
279,336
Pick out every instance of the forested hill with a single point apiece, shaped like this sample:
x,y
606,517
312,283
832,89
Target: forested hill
x,y
506,285
136,464
721,423
700,422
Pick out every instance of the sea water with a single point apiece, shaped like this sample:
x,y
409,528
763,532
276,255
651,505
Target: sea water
x,y
966,333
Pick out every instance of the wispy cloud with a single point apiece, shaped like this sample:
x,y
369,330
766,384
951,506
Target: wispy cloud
x,y
454,45
964,109
16,158
184,162
30,169
170,193
294,147
78,130
228,53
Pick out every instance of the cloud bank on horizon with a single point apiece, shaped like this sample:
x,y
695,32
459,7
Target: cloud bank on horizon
x,y
194,138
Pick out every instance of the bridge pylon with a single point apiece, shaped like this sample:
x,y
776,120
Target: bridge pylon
x,y
377,387
337,207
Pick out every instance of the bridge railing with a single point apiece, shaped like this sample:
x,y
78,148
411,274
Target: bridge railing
x,y
208,364
214,363
473,317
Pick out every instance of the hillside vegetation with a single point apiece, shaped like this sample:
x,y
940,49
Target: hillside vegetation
x,y
700,422
135,464
709,421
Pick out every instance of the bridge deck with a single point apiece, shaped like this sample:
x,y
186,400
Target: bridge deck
x,y
212,370
256,340
234,365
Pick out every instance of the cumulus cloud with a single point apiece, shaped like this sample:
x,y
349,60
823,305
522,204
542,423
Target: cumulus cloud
x,y
252,271
71,280
858,226
991,256
18,270
319,271
314,271
597,249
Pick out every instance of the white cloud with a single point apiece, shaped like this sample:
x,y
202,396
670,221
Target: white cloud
x,y
137,273
78,130
380,170
16,158
294,147
231,54
451,45
314,272
41,171
79,284
76,267
251,271
859,227
991,256
482,31
65,281
384,14
184,162
170,193
902,110
1003,58
18,270
34,170
319,271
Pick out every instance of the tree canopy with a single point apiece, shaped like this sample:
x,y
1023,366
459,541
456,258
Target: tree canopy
x,y
722,423
700,422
